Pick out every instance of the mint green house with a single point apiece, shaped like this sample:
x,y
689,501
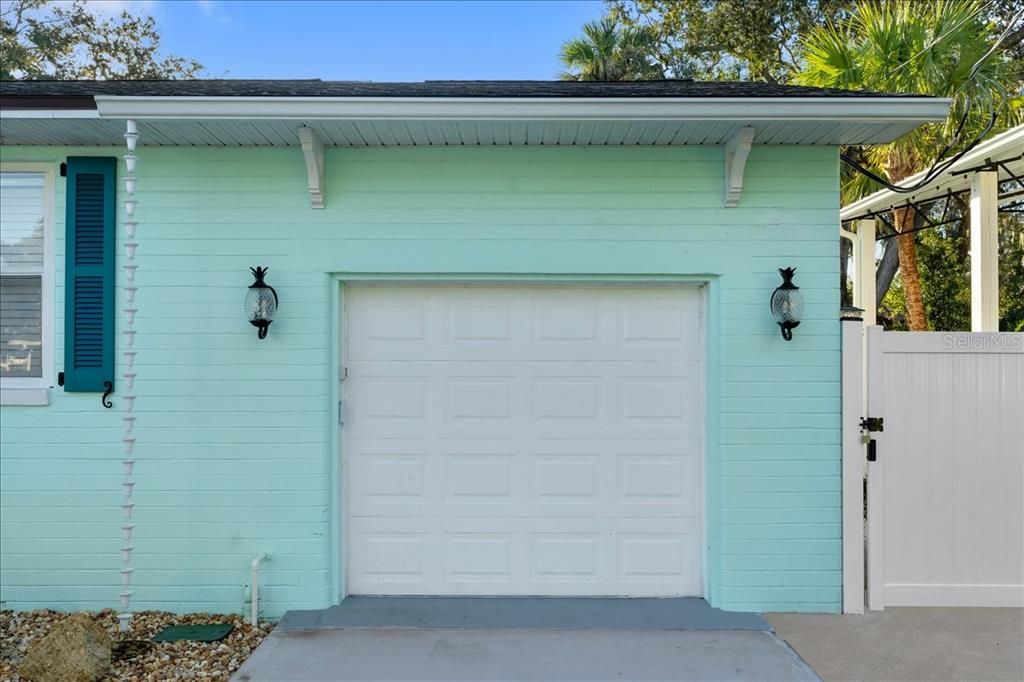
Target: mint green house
x,y
522,341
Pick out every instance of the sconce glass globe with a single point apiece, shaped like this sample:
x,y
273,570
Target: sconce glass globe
x,y
260,302
787,304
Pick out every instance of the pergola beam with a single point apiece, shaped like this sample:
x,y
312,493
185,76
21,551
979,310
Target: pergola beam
x,y
1001,153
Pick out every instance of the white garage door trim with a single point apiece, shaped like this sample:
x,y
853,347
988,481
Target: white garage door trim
x,y
518,298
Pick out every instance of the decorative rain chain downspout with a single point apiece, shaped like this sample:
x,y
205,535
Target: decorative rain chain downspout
x,y
124,618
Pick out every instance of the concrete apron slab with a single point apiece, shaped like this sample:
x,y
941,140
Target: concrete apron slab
x,y
487,613
522,638
452,655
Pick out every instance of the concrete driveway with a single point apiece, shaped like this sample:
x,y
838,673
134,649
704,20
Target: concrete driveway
x,y
383,654
452,638
934,644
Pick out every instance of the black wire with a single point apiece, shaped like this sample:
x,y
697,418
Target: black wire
x,y
937,168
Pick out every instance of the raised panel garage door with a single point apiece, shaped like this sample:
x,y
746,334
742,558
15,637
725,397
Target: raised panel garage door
x,y
522,440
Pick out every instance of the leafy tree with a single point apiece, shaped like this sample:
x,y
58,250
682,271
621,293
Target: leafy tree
x,y
728,39
942,48
43,39
1002,13
758,40
610,52
1011,271
946,274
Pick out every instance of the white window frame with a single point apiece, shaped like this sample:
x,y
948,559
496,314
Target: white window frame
x,y
35,390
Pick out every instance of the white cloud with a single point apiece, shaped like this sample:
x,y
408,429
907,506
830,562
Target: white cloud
x,y
213,9
114,8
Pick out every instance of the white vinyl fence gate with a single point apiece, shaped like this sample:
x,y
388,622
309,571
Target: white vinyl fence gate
x,y
945,519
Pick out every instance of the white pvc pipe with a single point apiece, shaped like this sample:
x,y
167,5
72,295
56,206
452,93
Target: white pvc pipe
x,y
255,589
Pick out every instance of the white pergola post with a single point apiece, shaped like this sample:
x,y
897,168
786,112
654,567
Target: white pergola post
x,y
985,251
864,265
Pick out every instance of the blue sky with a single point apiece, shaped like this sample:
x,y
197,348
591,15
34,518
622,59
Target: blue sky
x,y
383,41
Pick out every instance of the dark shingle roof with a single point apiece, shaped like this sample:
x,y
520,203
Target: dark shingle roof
x,y
84,90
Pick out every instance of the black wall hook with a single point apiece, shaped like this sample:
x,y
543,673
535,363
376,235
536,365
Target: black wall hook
x,y
109,385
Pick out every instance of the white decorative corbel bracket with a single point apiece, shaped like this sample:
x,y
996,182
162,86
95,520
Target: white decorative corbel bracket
x,y
737,149
313,151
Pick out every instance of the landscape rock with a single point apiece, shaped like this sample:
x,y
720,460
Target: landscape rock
x,y
76,650
134,658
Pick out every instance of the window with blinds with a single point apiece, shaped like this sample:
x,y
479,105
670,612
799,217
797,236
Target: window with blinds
x,y
22,240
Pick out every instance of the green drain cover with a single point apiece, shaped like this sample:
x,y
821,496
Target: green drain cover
x,y
196,633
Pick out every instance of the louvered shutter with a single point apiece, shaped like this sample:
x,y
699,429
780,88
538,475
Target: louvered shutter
x,y
89,266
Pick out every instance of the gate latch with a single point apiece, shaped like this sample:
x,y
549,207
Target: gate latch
x,y
872,450
869,425
872,424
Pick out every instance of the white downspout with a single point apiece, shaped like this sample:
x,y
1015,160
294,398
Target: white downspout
x,y
255,588
124,618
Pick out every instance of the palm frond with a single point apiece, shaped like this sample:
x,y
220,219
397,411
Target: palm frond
x,y
607,51
928,48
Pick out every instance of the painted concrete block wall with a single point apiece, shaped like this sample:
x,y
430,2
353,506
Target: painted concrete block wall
x,y
235,450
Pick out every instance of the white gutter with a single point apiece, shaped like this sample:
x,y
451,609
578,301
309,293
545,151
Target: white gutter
x,y
861,109
49,113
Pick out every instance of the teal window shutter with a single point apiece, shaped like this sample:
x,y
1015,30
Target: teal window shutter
x,y
89,268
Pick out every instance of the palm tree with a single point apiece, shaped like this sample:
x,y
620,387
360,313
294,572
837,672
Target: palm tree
x,y
927,48
607,52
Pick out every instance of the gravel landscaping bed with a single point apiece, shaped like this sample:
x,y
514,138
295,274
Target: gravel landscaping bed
x,y
161,661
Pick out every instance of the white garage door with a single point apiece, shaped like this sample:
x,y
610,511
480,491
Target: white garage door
x,y
522,440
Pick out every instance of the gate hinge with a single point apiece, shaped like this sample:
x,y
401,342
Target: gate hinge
x,y
872,424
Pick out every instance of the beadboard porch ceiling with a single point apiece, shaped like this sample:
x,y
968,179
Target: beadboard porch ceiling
x,y
44,130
